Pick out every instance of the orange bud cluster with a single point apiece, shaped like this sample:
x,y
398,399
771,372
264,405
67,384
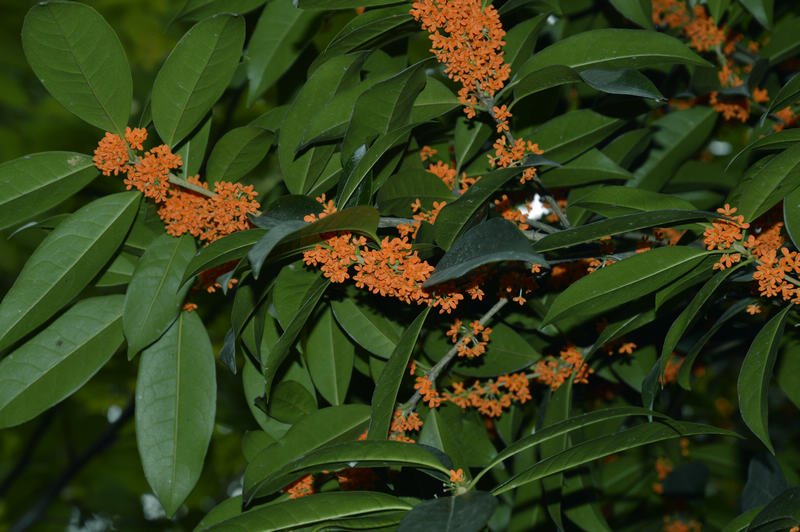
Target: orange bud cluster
x,y
491,398
301,487
506,157
555,371
206,217
401,425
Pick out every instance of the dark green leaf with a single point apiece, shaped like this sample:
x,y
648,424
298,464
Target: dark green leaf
x,y
193,150
39,181
200,9
290,402
312,509
786,96
231,247
783,42
469,137
521,40
388,384
761,10
329,354
765,481
195,75
572,133
590,167
176,396
56,362
766,183
626,81
405,187
494,240
280,36
781,513
590,450
543,79
119,272
637,11
779,140
755,376
507,352
154,296
616,200
372,330
237,152
79,59
467,512
623,281
434,100
64,263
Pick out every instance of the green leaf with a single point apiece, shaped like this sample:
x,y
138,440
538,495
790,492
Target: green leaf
x,y
761,10
626,81
223,511
317,429
80,60
507,352
64,263
301,171
329,354
543,79
365,453
119,272
280,349
766,183
388,383
755,376
590,167
290,402
311,509
154,295
779,140
455,215
765,481
200,9
467,512
195,75
193,150
614,49
434,100
637,11
341,4
615,226
384,107
561,429
469,137
623,282
521,41
678,136
783,42
786,96
494,240
782,512
229,248
280,36
626,147
459,434
361,219
55,363
373,331
176,397
405,187
34,183
612,201
590,450
685,318
237,152
572,133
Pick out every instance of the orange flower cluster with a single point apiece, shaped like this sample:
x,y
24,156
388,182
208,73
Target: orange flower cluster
x,y
698,26
207,217
446,172
663,468
670,12
508,210
671,370
470,336
679,526
420,215
301,487
456,477
424,385
519,283
505,157
731,108
555,371
786,119
492,397
468,38
401,425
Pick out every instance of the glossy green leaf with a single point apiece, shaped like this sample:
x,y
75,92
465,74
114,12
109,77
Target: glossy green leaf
x,y
200,9
590,167
615,226
626,147
329,354
405,187
590,450
361,219
689,313
364,453
195,74
765,481
467,512
783,42
560,429
469,137
521,41
434,100
388,383
543,79
119,272
779,140
614,48
766,183
623,281
223,511
154,295
370,329
64,263
231,247
494,240
317,429
459,434
34,183
176,396
788,374
315,508
237,152
756,374
193,150
290,402
56,362
572,133
761,10
678,135
626,81
637,11
280,36
782,512
80,60
612,201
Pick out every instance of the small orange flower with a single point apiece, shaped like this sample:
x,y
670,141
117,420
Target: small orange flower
x,y
456,477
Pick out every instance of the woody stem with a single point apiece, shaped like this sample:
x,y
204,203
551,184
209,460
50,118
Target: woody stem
x,y
434,372
180,182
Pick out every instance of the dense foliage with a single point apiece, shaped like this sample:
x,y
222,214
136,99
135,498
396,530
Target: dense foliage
x,y
369,265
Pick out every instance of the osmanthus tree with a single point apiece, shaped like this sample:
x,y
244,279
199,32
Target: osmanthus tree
x,y
526,266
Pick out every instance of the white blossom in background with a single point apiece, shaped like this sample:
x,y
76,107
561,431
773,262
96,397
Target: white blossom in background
x,y
535,210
